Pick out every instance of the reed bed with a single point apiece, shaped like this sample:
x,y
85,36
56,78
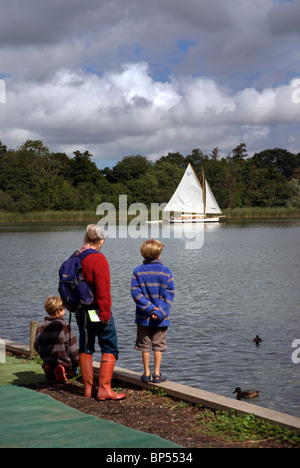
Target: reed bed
x,y
90,216
48,216
257,212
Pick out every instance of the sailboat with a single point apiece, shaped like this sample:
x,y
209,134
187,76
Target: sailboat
x,y
196,203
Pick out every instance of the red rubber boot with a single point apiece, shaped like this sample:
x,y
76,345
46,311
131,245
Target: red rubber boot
x,y
86,367
105,375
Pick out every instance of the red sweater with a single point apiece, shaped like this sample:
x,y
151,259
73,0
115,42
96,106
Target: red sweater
x,y
95,269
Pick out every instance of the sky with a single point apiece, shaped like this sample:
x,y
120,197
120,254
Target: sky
x,y
127,77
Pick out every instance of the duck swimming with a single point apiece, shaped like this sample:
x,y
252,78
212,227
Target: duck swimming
x,y
245,393
257,340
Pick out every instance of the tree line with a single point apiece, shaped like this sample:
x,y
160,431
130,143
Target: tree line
x,y
32,178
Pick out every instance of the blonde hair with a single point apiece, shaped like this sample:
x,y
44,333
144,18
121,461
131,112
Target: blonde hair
x,y
93,234
54,305
151,249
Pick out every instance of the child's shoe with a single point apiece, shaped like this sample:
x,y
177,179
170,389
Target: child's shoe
x,y
60,374
158,378
49,372
146,378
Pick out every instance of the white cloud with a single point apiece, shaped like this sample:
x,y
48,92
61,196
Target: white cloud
x,y
150,77
127,110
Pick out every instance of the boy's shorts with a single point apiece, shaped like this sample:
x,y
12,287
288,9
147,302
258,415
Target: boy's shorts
x,y
147,335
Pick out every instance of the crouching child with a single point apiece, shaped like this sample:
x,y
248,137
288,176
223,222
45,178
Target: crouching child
x,y
56,343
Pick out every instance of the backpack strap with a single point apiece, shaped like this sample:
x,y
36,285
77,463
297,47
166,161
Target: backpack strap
x,y
85,253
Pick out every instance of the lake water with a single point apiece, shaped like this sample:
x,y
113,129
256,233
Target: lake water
x,y
244,281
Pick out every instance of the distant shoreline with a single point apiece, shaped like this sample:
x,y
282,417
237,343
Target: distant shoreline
x,y
256,212
90,216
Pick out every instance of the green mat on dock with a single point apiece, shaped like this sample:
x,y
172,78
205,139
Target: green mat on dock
x,y
20,371
34,420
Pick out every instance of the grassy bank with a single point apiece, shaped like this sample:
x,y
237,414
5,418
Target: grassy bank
x,y
90,216
48,216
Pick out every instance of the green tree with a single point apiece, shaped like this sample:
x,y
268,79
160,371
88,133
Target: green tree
x,y
3,149
83,170
240,152
6,202
145,189
235,183
267,187
284,161
197,159
36,147
173,158
215,153
168,176
293,187
33,178
130,168
62,165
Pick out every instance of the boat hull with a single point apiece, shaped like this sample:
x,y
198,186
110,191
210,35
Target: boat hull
x,y
194,221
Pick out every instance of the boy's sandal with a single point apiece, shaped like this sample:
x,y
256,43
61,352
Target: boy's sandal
x,y
158,378
146,378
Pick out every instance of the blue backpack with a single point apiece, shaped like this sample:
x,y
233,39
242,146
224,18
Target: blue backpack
x,y
73,288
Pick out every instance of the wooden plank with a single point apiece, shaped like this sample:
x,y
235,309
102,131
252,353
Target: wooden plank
x,y
16,348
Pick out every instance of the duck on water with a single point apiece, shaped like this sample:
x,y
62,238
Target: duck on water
x,y
246,393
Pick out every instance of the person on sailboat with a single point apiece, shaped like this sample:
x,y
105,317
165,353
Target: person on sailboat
x,y
153,291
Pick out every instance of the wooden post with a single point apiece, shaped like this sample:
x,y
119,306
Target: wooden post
x,y
33,330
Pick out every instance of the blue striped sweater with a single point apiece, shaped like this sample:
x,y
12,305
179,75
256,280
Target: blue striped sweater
x,y
152,286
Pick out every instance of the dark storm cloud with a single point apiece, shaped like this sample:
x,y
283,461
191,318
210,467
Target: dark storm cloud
x,y
38,22
285,18
135,76
214,38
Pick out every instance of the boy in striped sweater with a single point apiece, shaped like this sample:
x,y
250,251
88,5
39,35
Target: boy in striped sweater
x,y
153,291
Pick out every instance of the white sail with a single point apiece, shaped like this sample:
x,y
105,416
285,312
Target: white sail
x,y
188,197
211,205
188,200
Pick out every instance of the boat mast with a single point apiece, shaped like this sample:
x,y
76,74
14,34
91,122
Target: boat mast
x,y
204,194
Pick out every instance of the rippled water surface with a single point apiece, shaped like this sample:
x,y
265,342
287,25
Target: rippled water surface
x,y
244,281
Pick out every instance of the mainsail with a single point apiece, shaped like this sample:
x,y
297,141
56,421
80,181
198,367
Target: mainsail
x,y
188,197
